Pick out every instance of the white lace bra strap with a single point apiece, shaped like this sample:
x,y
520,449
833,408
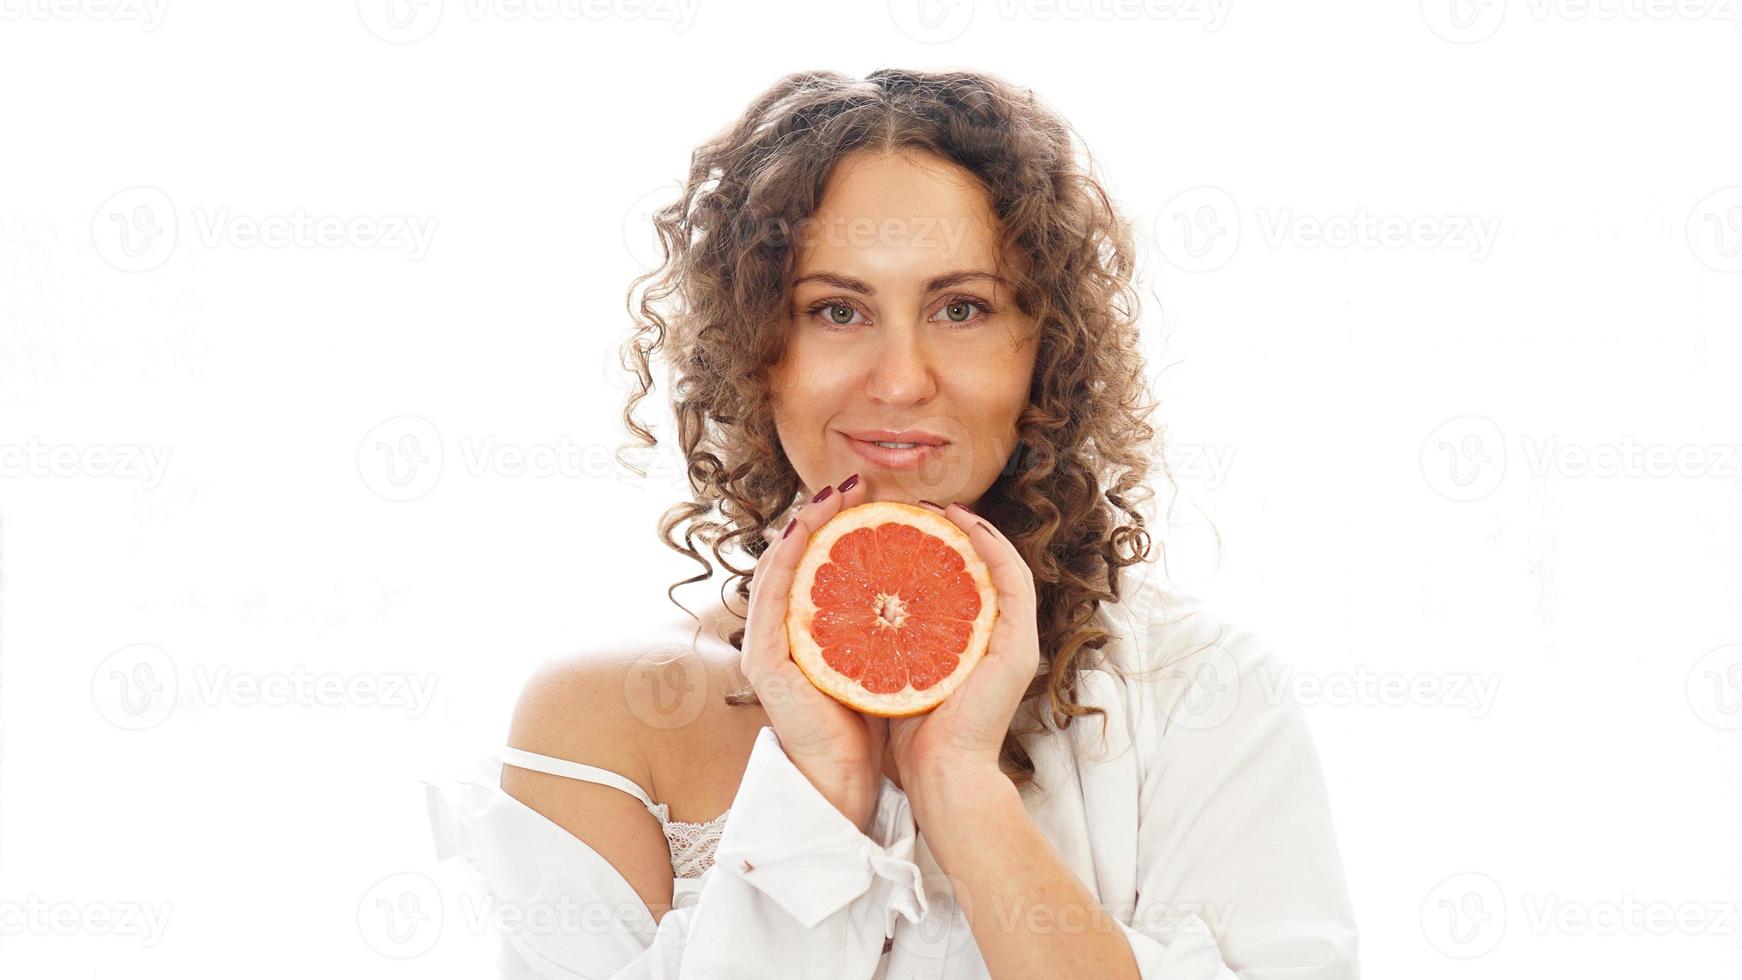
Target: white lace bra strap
x,y
575,770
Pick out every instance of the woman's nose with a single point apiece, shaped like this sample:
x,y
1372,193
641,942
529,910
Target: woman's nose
x,y
902,372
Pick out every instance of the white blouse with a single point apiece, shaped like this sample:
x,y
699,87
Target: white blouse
x,y
1200,823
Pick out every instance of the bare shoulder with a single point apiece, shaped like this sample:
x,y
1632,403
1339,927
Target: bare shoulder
x,y
568,710
571,708
655,712
698,744
633,707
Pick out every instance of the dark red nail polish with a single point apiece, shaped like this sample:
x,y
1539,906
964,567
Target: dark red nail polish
x,y
822,495
964,507
789,526
849,483
932,504
983,526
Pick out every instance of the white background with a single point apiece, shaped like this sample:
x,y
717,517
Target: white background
x,y
1498,455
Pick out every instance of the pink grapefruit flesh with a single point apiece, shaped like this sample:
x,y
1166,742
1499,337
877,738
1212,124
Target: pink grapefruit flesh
x,y
890,608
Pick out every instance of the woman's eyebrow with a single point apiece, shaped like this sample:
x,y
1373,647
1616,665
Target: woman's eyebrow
x,y
936,283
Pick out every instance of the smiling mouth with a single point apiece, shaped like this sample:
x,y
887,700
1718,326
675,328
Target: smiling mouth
x,y
895,454
882,438
892,444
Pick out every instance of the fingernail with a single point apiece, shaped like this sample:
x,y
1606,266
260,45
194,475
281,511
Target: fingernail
x,y
849,483
983,526
964,507
932,505
789,526
822,495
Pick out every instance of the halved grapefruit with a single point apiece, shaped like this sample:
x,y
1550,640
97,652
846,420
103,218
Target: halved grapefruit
x,y
890,608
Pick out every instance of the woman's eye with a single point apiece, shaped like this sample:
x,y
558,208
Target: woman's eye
x,y
961,311
838,314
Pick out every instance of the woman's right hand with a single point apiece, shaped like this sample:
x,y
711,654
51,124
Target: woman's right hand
x,y
838,749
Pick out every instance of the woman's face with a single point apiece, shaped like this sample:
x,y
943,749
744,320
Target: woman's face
x,y
898,322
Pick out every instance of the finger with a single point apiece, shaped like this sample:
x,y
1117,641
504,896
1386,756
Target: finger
x,y
766,619
1011,575
762,562
775,537
877,734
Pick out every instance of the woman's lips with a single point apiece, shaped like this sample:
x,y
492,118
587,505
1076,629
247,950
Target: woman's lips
x,y
893,459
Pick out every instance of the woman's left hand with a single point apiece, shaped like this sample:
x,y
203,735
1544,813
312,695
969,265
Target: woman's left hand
x,y
964,734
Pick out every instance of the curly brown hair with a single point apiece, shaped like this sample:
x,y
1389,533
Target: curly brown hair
x,y
717,304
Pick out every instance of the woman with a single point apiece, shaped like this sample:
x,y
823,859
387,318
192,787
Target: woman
x,y
910,287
